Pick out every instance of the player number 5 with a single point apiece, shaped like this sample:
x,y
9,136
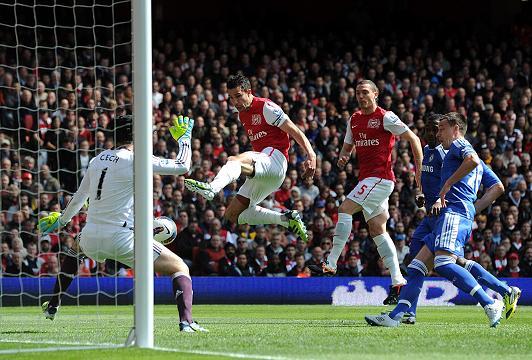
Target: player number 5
x,y
362,189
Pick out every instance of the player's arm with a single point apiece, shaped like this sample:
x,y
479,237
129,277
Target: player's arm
x,y
469,163
494,186
57,220
417,151
393,124
291,129
347,147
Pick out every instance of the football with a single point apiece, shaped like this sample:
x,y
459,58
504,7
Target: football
x,y
164,230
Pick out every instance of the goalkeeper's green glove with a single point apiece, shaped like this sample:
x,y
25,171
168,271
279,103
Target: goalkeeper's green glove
x,y
50,223
182,127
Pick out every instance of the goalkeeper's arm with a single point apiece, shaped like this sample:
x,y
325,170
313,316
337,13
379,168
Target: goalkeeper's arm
x,y
181,131
78,200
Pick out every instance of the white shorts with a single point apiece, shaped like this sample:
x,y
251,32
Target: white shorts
x,y
101,242
270,171
372,194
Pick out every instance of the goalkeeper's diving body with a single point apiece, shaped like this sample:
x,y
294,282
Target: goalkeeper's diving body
x,y
108,233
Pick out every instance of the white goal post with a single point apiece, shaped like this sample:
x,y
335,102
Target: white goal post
x,y
143,178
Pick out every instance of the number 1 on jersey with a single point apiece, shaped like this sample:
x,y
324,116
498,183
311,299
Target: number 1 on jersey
x,y
100,184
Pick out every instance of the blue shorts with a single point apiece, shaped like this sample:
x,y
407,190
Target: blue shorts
x,y
451,233
426,227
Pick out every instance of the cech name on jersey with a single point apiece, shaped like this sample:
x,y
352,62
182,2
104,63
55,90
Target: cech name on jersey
x,y
107,157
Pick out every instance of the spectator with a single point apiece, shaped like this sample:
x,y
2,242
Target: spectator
x,y
512,269
209,258
228,262
242,267
300,269
352,268
275,267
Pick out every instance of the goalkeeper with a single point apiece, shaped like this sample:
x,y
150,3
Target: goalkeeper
x,y
108,233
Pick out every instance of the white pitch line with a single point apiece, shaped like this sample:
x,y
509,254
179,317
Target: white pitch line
x,y
92,346
50,349
222,353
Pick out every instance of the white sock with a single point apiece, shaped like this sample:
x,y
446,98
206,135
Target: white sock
x,y
227,174
256,215
341,234
388,253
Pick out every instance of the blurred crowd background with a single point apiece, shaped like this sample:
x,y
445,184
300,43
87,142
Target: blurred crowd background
x,y
58,107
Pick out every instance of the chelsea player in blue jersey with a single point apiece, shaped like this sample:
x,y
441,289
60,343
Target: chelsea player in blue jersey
x,y
461,175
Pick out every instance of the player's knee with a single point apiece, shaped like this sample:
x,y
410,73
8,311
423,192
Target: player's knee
x,y
461,261
231,215
376,229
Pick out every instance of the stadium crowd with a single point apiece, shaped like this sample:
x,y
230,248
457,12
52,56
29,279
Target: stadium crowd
x,y
54,122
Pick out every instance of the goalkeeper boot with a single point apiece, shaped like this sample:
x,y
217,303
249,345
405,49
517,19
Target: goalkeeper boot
x,y
202,188
49,311
393,295
494,312
185,326
296,224
510,301
382,320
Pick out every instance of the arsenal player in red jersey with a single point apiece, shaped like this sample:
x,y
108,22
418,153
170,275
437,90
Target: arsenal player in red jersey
x,y
269,130
371,134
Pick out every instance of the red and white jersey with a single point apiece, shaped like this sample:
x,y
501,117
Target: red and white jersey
x,y
262,121
374,137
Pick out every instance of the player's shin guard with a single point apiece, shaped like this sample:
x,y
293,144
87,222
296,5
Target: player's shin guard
x,y
485,278
228,173
388,253
257,215
461,278
69,269
182,285
417,271
341,234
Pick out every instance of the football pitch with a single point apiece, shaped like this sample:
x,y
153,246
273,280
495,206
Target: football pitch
x,y
266,332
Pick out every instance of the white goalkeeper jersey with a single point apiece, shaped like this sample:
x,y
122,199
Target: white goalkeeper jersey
x,y
108,184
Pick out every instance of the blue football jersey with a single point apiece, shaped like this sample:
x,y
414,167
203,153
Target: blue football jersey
x,y
463,193
431,174
489,178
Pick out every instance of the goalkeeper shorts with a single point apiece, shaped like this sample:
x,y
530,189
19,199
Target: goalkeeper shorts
x,y
101,242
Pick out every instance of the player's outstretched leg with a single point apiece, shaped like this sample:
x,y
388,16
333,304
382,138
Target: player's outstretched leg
x,y
69,269
446,266
510,294
258,215
228,173
169,263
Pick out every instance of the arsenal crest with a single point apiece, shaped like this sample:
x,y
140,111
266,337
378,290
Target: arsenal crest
x,y
255,119
374,123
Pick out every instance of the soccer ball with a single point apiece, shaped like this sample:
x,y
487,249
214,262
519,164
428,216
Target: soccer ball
x,y
164,230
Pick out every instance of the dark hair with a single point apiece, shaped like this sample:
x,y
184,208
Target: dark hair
x,y
237,80
455,118
123,129
433,117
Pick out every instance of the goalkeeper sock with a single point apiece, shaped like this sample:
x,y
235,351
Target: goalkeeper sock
x,y
341,234
228,173
410,292
485,278
182,285
69,269
257,215
388,253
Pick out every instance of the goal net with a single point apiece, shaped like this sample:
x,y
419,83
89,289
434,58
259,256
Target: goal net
x,y
65,73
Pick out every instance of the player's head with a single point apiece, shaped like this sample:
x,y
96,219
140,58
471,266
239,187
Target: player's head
x,y
451,127
367,94
123,130
239,89
431,129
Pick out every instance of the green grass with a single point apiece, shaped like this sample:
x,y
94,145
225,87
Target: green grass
x,y
277,332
